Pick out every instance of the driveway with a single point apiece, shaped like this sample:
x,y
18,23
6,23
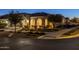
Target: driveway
x,y
56,35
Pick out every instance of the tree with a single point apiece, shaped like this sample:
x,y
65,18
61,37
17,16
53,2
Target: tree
x,y
58,18
51,18
67,21
15,18
74,20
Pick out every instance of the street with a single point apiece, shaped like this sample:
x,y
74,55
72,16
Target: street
x,y
34,44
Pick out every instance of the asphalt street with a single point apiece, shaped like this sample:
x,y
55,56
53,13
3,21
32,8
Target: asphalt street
x,y
34,44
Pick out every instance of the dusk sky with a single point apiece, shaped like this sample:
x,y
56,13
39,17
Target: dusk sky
x,y
66,12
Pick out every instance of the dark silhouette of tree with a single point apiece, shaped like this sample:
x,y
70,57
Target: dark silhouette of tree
x,y
51,18
74,20
67,21
58,18
15,18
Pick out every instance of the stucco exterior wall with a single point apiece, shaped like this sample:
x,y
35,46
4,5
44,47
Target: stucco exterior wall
x,y
37,22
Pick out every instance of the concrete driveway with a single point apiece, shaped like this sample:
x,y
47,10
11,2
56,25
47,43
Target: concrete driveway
x,y
56,35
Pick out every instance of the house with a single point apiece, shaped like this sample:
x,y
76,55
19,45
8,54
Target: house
x,y
37,21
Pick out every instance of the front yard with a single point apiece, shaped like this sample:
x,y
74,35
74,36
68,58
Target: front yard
x,y
27,35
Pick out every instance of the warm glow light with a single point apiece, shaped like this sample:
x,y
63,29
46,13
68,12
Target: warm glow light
x,y
27,21
6,22
39,22
36,22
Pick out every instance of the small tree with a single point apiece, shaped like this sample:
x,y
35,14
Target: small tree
x,y
15,18
3,24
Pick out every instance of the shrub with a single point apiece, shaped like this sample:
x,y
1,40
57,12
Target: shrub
x,y
3,25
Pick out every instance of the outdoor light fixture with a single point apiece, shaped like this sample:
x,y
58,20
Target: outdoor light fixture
x,y
27,21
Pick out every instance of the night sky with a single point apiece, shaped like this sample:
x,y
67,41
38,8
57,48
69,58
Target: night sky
x,y
66,12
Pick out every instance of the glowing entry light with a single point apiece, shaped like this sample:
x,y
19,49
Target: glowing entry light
x,y
6,22
27,21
